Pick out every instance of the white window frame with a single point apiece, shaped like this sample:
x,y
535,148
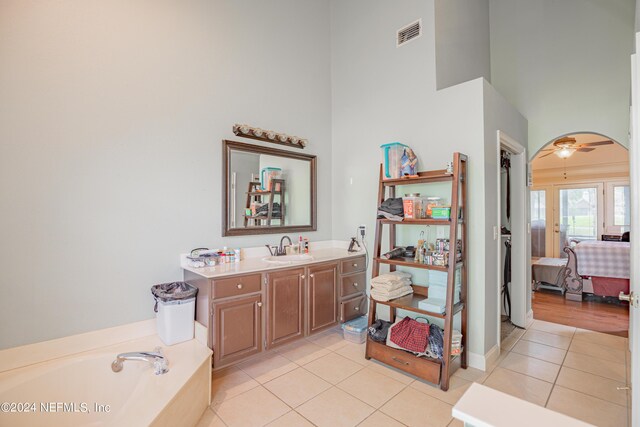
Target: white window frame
x,y
609,222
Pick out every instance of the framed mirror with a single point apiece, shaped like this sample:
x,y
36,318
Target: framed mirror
x,y
267,190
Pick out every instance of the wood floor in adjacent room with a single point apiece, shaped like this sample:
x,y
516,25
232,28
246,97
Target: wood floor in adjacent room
x,y
596,316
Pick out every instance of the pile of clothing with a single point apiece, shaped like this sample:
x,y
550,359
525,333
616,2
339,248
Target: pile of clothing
x,y
415,336
391,285
263,210
392,209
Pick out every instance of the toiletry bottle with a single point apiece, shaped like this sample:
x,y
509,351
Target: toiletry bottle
x,y
417,255
306,245
300,245
237,255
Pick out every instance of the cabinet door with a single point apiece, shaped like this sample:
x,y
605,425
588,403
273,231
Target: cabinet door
x,y
238,329
285,306
322,296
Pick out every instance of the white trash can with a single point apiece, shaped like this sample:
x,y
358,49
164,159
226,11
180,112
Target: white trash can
x,y
175,311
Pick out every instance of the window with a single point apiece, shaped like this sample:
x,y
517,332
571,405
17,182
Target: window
x,y
621,206
538,223
538,205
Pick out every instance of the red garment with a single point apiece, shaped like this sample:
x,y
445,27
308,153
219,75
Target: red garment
x,y
410,335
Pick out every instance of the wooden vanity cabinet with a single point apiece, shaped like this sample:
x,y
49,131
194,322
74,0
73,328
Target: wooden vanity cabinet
x,y
237,329
285,306
353,284
322,296
249,313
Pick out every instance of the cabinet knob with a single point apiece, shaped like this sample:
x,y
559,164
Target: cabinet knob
x,y
259,304
239,285
311,275
356,308
355,284
302,276
355,264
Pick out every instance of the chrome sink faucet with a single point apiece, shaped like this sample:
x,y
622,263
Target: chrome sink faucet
x,y
155,358
279,250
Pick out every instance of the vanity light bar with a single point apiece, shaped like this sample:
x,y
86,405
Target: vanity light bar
x,y
247,131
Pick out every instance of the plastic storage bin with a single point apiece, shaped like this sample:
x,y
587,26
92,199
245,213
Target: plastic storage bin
x,y
267,174
398,160
175,311
412,205
355,330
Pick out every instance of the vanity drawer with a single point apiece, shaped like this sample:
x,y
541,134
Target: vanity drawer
x,y
235,286
353,265
352,308
353,284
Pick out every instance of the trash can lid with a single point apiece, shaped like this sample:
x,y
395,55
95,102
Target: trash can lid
x,y
173,291
358,324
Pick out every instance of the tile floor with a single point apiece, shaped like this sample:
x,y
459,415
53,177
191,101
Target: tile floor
x,y
326,381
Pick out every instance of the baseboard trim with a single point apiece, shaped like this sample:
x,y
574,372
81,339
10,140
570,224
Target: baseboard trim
x,y
484,361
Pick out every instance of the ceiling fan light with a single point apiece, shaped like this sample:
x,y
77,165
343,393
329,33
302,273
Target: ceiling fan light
x,y
565,153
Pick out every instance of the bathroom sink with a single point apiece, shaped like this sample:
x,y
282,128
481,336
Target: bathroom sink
x,y
288,259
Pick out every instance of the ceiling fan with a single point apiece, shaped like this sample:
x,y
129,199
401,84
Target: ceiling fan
x,y
566,146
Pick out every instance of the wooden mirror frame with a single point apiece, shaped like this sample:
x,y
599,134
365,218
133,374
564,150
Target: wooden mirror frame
x,y
227,146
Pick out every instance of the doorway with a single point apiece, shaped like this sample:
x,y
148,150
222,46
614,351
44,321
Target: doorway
x,y
512,237
580,193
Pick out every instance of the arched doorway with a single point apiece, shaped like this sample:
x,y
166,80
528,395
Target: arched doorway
x,y
579,193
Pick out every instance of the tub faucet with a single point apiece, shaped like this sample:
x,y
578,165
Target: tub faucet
x,y
155,358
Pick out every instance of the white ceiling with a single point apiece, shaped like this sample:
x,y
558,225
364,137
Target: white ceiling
x,y
613,153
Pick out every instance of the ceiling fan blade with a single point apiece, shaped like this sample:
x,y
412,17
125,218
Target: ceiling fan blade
x,y
548,154
597,143
585,150
549,149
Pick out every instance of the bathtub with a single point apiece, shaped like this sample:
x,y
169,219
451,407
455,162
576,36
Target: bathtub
x,y
83,390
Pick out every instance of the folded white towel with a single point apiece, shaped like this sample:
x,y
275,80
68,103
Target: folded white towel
x,y
394,275
389,288
390,283
386,296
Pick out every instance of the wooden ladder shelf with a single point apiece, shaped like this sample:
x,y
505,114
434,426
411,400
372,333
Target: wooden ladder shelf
x,y
433,370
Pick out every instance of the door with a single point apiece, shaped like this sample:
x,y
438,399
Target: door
x,y
285,306
578,215
322,296
238,329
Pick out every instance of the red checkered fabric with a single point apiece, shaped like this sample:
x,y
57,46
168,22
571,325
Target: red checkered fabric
x,y
411,335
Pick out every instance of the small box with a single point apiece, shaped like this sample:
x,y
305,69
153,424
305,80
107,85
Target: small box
x,y
355,330
441,212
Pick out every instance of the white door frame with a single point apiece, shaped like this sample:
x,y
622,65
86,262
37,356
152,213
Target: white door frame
x,y
634,313
521,314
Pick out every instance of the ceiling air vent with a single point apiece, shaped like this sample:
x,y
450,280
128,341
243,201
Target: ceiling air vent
x,y
409,32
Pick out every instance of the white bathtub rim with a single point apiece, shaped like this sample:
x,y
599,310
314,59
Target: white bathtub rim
x,y
184,361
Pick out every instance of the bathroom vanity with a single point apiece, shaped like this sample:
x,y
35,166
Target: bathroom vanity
x,y
255,306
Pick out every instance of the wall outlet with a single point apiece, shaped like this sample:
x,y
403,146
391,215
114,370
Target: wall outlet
x,y
362,230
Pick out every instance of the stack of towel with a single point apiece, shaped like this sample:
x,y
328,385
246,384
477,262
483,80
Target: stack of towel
x,y
391,285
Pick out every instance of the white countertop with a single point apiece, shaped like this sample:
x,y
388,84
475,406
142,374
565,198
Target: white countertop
x,y
320,252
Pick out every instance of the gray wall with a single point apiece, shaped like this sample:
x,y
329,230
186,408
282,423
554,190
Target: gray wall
x,y
462,41
381,94
498,115
111,117
564,65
